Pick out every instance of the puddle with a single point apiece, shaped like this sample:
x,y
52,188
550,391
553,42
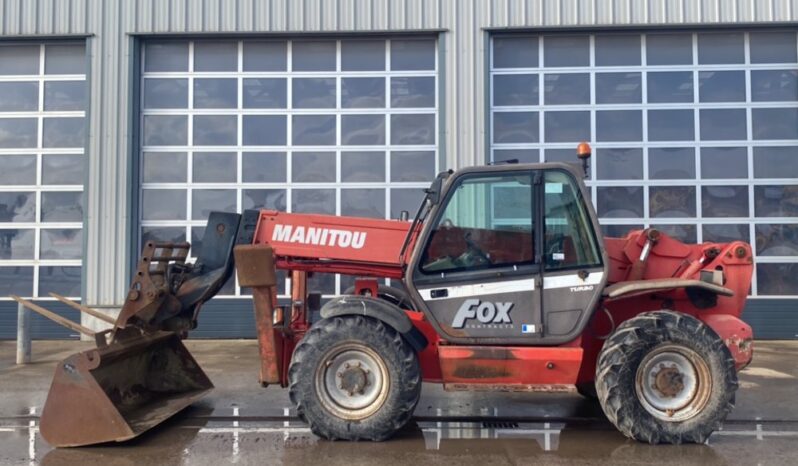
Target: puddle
x,y
234,436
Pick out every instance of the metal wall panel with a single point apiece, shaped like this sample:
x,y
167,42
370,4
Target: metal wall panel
x,y
772,319
111,24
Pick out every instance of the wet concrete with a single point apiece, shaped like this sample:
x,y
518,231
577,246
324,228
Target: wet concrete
x,y
242,423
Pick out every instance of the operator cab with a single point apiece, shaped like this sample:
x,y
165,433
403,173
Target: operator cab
x,y
509,253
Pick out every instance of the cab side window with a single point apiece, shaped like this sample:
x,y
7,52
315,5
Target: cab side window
x,y
569,240
488,222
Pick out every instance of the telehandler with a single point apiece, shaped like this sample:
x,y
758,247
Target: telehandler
x,y
502,281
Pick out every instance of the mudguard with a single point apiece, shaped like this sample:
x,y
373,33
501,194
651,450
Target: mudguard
x,y
736,334
638,287
378,309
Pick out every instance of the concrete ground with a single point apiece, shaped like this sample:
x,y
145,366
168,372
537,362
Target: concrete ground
x,y
242,423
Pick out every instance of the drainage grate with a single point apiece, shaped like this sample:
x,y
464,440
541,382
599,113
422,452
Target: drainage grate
x,y
499,425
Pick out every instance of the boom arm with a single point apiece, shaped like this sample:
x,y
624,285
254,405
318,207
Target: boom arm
x,y
332,244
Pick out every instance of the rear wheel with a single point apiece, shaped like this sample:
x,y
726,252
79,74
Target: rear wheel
x,y
353,377
665,377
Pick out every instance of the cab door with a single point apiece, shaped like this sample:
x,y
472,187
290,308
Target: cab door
x,y
573,266
477,273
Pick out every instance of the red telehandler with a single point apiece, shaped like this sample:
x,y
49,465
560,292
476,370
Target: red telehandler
x,y
502,282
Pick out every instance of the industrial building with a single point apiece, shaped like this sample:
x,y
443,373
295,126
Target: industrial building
x,y
122,121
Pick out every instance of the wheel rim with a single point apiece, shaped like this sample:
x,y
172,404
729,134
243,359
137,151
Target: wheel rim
x,y
673,383
352,381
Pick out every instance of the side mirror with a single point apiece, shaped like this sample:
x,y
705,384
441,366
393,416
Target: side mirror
x,y
434,190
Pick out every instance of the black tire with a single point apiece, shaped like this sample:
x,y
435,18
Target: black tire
x,y
623,376
392,294
317,356
587,390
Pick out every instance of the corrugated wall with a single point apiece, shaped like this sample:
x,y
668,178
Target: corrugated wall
x,y
110,22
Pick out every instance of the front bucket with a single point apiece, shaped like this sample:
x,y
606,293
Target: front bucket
x,y
117,392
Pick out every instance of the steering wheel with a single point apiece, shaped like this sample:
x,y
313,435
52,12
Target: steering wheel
x,y
555,243
474,254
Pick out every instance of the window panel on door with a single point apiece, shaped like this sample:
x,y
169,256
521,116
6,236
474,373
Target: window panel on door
x,y
669,49
672,201
570,51
363,93
67,96
724,201
274,199
18,133
725,233
409,92
19,59
17,169
776,239
515,52
724,162
264,93
719,48
671,163
773,47
164,167
569,240
774,85
619,164
215,93
265,55
684,233
16,244
617,50
366,166
363,55
214,167
618,88
19,96
487,223
777,279
670,87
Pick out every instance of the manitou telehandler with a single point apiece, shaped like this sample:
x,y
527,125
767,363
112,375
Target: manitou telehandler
x,y
502,281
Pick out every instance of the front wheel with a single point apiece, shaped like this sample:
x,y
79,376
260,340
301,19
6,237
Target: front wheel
x,y
666,377
353,377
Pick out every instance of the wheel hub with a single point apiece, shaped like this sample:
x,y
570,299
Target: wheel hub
x,y
673,383
352,381
669,381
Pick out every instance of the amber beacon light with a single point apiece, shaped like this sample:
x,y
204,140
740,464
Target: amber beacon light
x,y
583,152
